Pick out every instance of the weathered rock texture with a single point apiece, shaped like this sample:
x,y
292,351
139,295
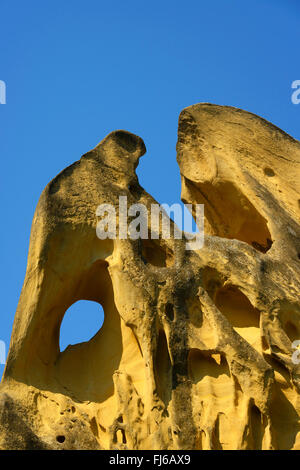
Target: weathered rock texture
x,y
196,347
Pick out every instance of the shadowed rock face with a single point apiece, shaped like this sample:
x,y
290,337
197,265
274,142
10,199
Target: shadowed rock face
x,y
196,347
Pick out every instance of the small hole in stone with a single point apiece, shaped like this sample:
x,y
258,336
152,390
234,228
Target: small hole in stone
x,y
155,254
262,248
269,172
94,426
291,330
73,409
264,343
121,437
170,311
60,439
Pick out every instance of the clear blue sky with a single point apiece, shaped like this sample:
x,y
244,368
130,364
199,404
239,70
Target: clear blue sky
x,y
77,70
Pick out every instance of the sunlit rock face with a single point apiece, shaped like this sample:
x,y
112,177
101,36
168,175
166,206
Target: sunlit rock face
x,y
196,350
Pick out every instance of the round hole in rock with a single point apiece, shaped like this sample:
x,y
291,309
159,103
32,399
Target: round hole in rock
x,y
81,322
60,439
269,172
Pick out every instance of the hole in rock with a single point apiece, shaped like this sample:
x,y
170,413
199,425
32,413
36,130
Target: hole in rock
x,y
170,311
289,320
291,331
269,172
80,323
240,313
203,365
212,281
60,439
163,368
229,213
94,426
156,254
121,436
87,368
257,431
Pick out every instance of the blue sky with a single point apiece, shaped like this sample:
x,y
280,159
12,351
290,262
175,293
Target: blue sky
x,y
75,71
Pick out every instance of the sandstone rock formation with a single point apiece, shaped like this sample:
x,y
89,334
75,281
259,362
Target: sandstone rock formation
x,y
196,347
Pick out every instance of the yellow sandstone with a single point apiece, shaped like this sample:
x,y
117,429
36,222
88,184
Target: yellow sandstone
x,y
196,350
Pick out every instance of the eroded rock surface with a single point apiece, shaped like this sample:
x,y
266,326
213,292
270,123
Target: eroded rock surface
x,y
196,347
